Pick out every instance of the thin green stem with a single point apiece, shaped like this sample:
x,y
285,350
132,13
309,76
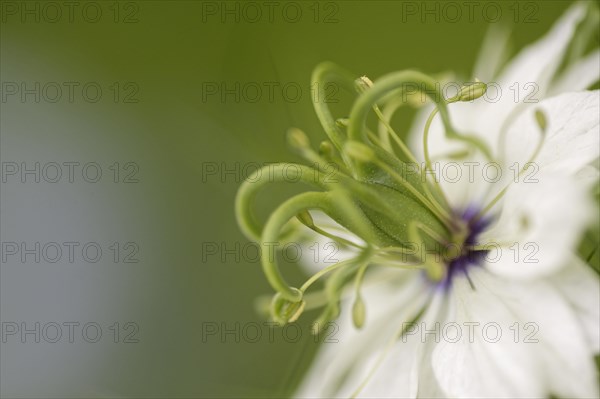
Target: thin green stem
x,y
338,239
360,275
394,135
323,272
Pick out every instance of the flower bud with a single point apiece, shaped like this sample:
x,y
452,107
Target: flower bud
x,y
541,120
326,149
359,312
362,84
472,91
297,139
342,122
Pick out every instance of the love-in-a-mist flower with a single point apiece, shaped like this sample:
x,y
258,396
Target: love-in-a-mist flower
x,y
457,273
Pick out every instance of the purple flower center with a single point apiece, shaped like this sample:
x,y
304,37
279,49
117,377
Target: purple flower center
x,y
468,256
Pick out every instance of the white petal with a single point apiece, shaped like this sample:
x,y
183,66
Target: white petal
x,y
539,227
390,302
572,135
580,286
579,76
429,385
588,175
486,358
403,370
553,333
389,371
538,62
492,53
526,79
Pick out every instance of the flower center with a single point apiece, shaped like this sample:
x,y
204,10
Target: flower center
x,y
463,253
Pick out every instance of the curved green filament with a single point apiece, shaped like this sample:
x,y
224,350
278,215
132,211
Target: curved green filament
x,y
383,86
427,156
493,202
384,129
289,209
329,154
385,138
325,74
248,222
376,140
502,192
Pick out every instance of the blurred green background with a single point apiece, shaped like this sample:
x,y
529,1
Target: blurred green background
x,y
167,57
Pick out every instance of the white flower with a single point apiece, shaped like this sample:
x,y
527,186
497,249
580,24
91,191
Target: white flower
x,y
501,305
528,311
